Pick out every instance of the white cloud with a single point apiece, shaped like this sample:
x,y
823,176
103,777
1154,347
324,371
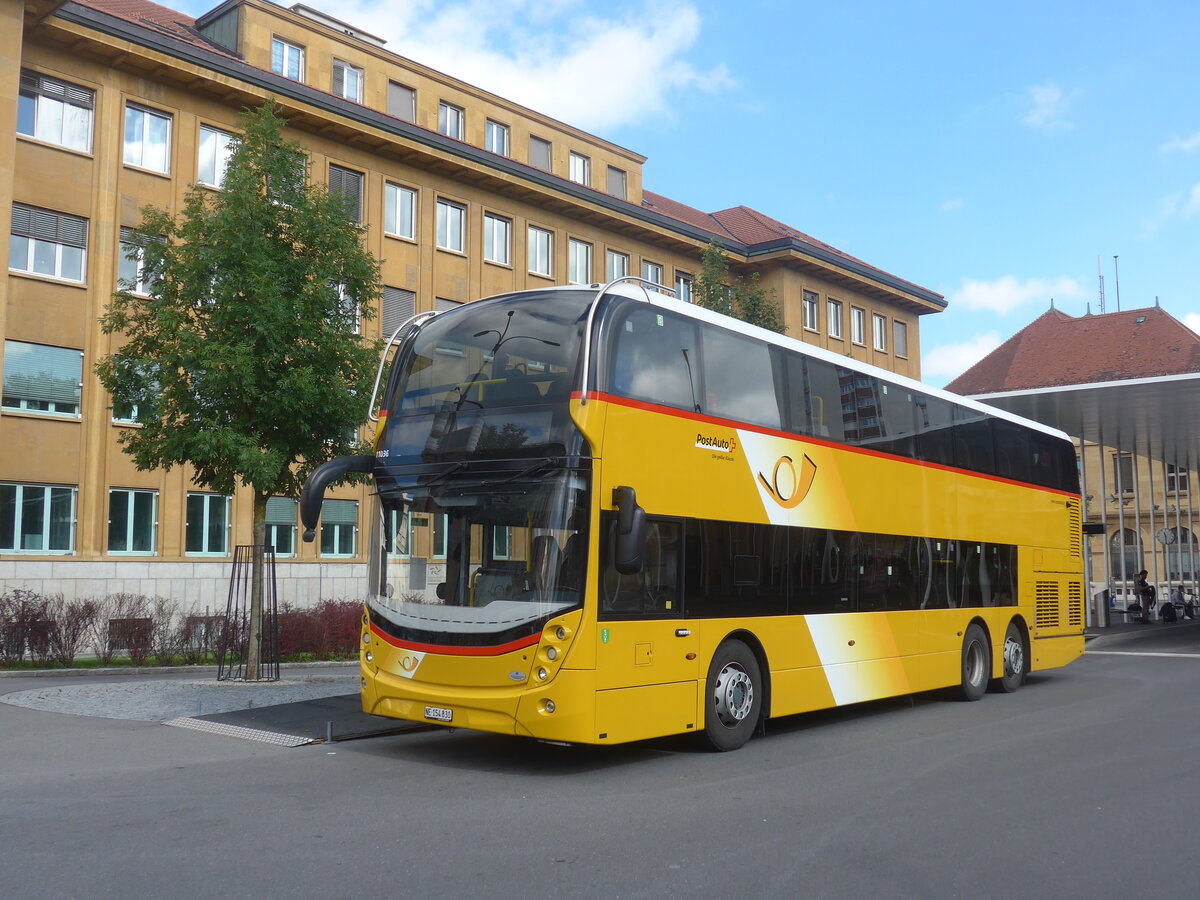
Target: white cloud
x,y
1005,294
596,69
1182,206
1192,205
951,360
952,205
1192,321
1182,145
1047,105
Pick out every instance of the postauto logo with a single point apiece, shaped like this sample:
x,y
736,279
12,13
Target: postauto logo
x,y
786,486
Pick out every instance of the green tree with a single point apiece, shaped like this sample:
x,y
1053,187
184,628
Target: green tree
x,y
243,361
743,298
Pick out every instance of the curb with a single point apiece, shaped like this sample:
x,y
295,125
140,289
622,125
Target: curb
x,y
159,670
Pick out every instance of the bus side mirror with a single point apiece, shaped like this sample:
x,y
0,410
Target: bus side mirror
x,y
313,493
631,532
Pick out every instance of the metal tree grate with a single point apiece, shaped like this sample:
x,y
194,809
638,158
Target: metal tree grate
x,y
233,648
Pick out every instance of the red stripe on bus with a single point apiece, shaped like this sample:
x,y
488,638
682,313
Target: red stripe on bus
x,y
447,650
804,438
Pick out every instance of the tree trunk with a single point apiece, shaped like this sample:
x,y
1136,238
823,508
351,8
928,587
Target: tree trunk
x,y
254,637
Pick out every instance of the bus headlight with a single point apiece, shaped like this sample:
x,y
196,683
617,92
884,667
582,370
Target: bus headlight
x,y
541,673
548,706
370,656
561,633
551,653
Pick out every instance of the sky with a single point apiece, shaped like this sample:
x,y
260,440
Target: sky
x,y
1002,155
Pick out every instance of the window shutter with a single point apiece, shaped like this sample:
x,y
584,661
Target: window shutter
x,y
281,511
398,306
401,101
339,79
339,512
46,374
347,184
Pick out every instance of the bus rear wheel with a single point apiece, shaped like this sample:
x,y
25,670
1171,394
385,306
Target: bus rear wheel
x,y
1016,661
976,663
734,696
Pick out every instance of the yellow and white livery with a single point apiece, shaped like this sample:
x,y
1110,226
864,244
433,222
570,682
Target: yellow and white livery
x,y
605,515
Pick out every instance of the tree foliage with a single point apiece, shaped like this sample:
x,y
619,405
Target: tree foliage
x,y
242,359
716,288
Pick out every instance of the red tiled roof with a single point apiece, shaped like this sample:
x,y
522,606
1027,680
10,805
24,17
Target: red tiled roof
x,y
1056,350
143,11
683,213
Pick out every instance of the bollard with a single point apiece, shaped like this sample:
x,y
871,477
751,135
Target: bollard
x,y
329,731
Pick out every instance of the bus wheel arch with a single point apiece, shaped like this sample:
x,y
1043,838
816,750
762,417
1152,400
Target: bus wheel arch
x,y
976,661
736,691
1014,657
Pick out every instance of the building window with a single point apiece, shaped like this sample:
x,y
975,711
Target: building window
x,y
451,225
617,183
652,272
287,60
131,267
281,526
347,81
497,239
37,518
879,331
541,153
400,211
833,313
55,112
1123,472
132,521
440,535
207,528
502,542
496,138
858,325
42,379
617,265
348,311
579,262
810,311
683,286
580,170
48,243
541,251
900,339
147,138
1177,479
215,150
402,102
452,121
348,184
339,527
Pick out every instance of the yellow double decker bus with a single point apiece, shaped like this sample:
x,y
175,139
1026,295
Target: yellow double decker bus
x,y
603,515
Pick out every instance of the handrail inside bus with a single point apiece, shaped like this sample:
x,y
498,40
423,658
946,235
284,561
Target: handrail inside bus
x,y
645,284
383,357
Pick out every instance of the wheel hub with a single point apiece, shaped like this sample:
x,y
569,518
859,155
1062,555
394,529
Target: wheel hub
x,y
1014,657
734,694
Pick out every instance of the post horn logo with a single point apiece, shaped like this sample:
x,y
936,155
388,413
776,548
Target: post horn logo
x,y
795,486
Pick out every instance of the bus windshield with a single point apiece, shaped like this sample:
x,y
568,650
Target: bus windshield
x,y
480,559
490,380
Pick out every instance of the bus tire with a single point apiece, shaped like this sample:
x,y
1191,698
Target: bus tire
x,y
976,663
1016,661
733,696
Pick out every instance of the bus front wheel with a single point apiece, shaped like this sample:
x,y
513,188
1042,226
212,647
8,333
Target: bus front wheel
x,y
1016,661
734,696
976,663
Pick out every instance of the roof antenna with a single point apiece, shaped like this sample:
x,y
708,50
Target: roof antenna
x,y
1089,308
1100,273
1117,276
1052,303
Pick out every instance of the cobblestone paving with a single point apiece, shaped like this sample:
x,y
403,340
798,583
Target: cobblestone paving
x,y
158,701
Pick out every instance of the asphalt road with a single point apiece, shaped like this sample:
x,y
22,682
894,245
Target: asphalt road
x,y
1082,784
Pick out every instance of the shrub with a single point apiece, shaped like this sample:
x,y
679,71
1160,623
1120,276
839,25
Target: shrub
x,y
123,623
23,624
73,622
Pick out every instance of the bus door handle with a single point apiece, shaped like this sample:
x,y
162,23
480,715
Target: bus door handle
x,y
683,632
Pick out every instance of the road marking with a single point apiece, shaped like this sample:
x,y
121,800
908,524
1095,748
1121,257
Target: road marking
x,y
1140,653
249,734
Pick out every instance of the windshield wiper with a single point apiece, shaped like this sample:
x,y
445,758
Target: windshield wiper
x,y
441,476
551,462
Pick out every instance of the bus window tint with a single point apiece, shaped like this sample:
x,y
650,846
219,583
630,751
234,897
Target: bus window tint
x,y
934,417
656,359
820,572
897,414
882,572
1052,462
973,441
735,569
814,398
1013,455
737,378
654,591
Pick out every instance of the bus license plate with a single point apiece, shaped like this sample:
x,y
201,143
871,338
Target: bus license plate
x,y
439,713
